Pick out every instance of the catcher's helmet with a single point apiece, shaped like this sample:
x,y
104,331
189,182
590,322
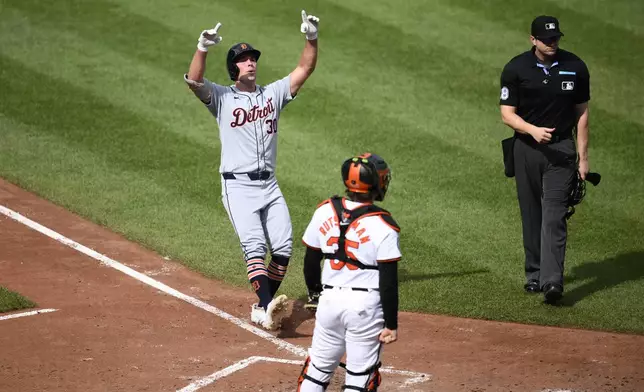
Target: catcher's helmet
x,y
233,54
367,173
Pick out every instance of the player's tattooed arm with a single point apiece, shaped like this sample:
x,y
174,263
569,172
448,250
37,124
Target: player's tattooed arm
x,y
309,56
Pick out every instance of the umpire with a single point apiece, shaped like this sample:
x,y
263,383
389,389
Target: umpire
x,y
544,98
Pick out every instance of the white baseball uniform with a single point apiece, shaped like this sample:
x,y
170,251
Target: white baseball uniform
x,y
348,320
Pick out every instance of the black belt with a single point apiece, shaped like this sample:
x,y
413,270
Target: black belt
x,y
326,286
253,176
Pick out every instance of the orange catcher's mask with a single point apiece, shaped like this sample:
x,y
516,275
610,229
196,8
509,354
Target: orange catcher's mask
x,y
367,173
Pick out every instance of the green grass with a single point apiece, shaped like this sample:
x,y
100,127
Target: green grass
x,y
13,301
94,115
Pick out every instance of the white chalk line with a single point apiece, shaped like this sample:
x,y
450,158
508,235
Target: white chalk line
x,y
26,314
232,369
205,381
154,283
557,390
297,350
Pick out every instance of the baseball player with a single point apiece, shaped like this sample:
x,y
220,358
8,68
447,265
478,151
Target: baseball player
x,y
247,115
358,285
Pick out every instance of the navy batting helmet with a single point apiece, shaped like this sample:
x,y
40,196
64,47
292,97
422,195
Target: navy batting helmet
x,y
233,54
367,173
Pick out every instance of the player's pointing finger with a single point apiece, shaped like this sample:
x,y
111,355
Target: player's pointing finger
x,y
304,17
214,31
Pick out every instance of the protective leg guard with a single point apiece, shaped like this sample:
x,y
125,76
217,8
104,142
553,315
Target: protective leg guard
x,y
313,379
367,381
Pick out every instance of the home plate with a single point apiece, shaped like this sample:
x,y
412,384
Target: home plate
x,y
277,375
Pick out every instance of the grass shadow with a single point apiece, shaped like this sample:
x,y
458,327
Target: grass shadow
x,y
604,275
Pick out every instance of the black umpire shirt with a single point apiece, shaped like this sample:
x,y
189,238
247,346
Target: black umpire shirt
x,y
546,97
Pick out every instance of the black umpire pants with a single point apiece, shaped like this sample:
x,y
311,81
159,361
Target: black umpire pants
x,y
544,176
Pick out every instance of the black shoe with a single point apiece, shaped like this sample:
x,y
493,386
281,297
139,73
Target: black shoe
x,y
532,287
552,292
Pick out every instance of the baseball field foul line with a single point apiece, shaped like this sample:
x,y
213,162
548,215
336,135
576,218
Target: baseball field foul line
x,y
154,283
415,378
232,369
25,314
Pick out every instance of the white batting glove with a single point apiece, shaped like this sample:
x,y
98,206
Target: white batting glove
x,y
209,38
309,26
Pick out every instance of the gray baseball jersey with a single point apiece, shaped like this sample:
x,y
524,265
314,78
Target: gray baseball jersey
x,y
248,132
248,124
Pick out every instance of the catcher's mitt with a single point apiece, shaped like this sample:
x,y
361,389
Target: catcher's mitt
x,y
578,191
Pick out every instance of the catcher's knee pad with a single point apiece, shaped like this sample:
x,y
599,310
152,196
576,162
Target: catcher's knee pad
x,y
367,381
312,379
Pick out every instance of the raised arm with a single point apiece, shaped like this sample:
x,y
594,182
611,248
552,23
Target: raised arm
x,y
194,77
197,66
309,56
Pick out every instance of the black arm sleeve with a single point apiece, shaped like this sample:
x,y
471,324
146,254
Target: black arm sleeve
x,y
313,270
389,293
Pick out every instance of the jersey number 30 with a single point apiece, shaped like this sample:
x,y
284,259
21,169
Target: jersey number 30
x,y
343,253
272,126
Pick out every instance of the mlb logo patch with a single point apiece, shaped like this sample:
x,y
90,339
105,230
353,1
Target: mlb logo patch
x,y
567,86
550,26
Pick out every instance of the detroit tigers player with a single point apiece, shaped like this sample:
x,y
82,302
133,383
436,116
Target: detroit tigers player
x,y
247,115
358,304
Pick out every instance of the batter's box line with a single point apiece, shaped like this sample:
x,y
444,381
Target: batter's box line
x,y
26,314
414,377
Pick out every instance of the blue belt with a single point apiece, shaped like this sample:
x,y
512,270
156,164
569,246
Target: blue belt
x,y
253,176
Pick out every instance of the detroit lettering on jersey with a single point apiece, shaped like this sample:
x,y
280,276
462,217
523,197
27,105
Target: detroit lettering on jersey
x,y
248,124
242,116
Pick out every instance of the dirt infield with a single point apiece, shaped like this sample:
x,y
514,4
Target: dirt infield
x,y
112,331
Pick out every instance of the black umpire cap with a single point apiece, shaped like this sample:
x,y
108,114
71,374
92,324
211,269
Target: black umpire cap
x,y
545,27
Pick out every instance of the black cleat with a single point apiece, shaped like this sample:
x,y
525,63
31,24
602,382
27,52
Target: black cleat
x,y
532,287
552,292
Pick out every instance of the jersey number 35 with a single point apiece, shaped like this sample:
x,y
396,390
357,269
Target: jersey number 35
x,y
337,264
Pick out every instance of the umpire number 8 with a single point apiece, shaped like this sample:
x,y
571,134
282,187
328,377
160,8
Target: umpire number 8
x,y
272,126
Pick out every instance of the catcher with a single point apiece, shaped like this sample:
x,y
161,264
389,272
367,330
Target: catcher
x,y
357,289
